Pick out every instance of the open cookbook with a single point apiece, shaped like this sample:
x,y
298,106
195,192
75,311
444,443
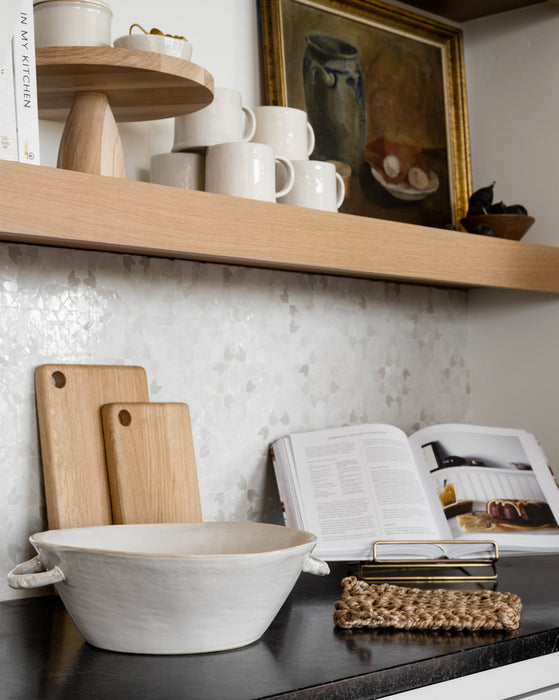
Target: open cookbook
x,y
355,485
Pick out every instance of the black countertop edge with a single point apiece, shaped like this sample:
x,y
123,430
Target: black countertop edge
x,y
420,674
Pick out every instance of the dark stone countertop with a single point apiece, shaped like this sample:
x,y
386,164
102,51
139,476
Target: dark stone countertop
x,y
302,655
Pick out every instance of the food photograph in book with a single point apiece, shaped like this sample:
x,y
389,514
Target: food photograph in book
x,y
486,484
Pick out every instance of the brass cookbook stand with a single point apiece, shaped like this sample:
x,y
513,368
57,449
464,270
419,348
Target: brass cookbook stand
x,y
442,568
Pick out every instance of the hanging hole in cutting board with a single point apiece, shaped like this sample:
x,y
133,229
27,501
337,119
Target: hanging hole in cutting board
x,y
125,418
58,379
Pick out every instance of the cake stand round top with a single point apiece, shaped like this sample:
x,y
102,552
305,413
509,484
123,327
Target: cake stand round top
x,y
139,85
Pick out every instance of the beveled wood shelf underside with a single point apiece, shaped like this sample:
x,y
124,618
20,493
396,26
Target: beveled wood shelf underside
x,y
462,11
54,207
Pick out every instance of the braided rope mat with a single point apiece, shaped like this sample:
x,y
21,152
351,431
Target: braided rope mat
x,y
386,605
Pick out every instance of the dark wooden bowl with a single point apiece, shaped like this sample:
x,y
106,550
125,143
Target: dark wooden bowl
x,y
511,226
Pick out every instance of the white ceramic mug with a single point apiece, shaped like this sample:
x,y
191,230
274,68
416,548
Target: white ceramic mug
x,y
186,170
248,170
344,171
286,129
224,120
317,185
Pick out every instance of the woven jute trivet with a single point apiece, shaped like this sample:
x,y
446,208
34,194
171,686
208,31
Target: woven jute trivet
x,y
384,605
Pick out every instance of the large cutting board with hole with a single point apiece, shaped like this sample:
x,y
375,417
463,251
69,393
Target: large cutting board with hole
x,y
151,463
69,401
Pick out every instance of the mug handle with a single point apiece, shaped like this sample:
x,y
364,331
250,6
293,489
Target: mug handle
x,y
340,189
288,166
250,124
310,139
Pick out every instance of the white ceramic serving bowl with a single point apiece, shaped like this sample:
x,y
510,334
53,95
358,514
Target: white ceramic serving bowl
x,y
171,588
156,43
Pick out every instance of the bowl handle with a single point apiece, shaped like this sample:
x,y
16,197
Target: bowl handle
x,y
31,574
316,566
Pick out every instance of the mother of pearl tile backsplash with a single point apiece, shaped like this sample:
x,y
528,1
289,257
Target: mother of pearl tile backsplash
x,y
255,353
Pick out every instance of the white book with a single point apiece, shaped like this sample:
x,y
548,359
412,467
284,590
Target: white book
x,y
8,16
8,127
25,85
356,485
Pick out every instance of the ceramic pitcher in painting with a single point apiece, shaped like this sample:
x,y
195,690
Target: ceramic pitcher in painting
x,y
335,98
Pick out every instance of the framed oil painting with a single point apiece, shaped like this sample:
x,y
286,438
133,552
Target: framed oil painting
x,y
384,90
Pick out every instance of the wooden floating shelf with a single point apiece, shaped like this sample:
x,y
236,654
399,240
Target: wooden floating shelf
x,y
54,207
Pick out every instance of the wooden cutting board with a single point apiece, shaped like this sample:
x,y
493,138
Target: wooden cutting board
x,y
151,463
69,400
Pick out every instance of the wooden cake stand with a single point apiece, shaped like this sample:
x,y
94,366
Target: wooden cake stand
x,y
93,87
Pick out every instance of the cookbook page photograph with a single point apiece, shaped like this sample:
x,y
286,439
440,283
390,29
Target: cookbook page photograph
x,y
492,483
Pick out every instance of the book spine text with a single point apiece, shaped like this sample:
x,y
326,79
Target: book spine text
x,y
25,85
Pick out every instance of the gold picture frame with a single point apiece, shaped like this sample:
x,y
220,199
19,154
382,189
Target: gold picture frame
x,y
384,90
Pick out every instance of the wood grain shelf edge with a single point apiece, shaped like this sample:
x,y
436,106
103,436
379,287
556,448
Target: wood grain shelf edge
x,y
48,206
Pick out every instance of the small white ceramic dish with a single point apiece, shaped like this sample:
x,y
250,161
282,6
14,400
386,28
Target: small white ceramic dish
x,y
171,588
156,43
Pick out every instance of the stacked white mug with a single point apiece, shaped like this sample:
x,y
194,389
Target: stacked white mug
x,y
287,130
216,140
261,153
224,119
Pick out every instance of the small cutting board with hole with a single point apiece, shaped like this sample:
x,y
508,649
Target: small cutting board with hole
x,y
69,400
151,463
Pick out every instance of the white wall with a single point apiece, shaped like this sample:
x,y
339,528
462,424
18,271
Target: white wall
x,y
512,70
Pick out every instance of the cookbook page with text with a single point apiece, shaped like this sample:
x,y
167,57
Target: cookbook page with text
x,y
359,484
